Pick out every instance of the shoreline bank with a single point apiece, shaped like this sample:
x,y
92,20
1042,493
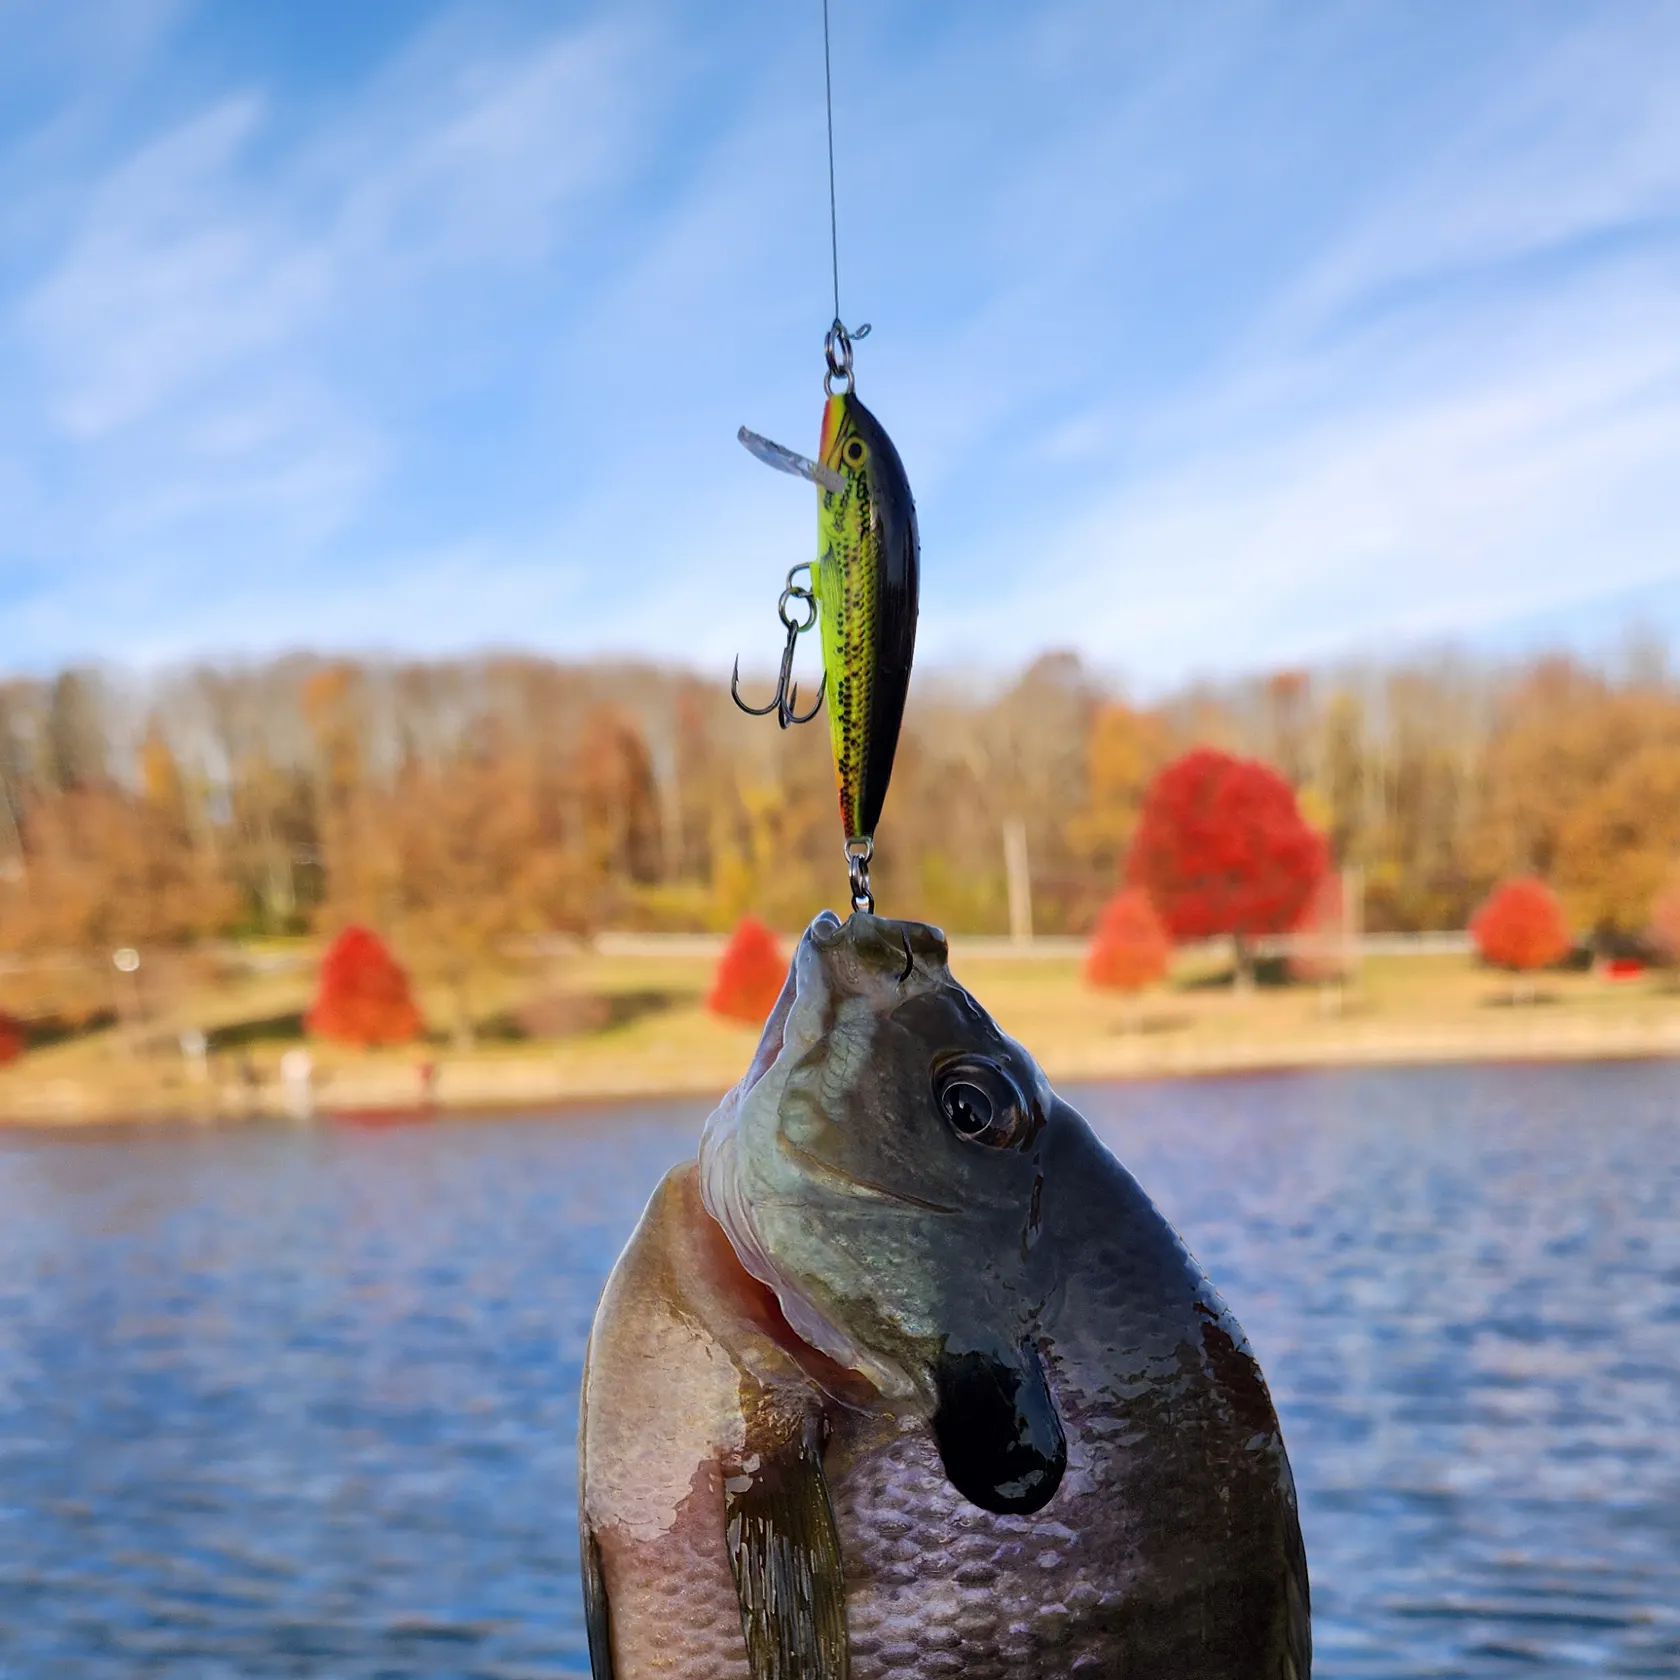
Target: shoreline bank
x,y
485,1082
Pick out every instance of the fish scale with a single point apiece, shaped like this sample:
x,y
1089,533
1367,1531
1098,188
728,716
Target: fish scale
x,y
937,1588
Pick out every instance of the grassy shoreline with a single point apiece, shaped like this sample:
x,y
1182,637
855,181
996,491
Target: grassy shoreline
x,y
1405,1010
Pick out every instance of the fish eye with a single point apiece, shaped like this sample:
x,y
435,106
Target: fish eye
x,y
981,1102
854,452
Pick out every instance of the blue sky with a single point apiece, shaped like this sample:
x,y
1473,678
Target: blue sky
x,y
1213,337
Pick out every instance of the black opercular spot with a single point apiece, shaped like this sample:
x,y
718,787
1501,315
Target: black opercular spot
x,y
999,1437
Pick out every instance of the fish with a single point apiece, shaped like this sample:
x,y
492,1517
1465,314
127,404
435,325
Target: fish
x,y
905,1375
866,585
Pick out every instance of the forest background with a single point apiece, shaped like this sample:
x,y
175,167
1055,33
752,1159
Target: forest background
x,y
466,807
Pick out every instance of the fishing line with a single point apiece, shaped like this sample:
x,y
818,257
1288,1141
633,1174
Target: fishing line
x,y
833,213
868,572
837,344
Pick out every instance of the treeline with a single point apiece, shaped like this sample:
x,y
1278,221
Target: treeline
x,y
460,805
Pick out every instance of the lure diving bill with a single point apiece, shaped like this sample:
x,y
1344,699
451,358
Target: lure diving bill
x,y
864,589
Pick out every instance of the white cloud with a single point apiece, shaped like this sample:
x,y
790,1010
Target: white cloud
x,y
472,151
1520,482
170,282
1461,413
193,403
1583,142
1206,347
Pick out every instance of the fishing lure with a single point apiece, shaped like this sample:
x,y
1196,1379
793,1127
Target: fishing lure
x,y
864,587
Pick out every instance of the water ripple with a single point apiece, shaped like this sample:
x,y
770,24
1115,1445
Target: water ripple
x,y
283,1404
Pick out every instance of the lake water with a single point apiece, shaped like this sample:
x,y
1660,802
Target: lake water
x,y
302,1403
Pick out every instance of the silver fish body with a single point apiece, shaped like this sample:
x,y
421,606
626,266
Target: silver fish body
x,y
907,1377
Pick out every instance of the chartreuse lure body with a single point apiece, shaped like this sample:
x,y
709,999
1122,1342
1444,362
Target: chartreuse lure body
x,y
863,589
867,577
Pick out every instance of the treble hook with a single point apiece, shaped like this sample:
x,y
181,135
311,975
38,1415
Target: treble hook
x,y
786,697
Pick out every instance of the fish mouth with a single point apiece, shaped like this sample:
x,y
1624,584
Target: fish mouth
x,y
825,933
826,930
733,1194
774,1035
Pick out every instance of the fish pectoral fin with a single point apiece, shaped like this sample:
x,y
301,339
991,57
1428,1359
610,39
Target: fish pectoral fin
x,y
787,460
596,1620
784,1548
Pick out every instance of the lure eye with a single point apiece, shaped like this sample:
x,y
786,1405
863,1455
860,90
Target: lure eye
x,y
854,452
982,1103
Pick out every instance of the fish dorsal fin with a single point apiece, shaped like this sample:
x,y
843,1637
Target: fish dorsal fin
x,y
784,1548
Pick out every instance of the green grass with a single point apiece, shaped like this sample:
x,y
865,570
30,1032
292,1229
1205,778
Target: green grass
x,y
656,1033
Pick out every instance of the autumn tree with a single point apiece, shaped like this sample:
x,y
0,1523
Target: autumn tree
x,y
1033,758
294,792
362,996
1221,848
482,860
749,975
257,764
1422,793
271,844
76,739
14,1038
1287,713
357,860
620,799
1130,948
1123,751
1344,770
1520,927
1614,849
103,869
1582,786
1665,918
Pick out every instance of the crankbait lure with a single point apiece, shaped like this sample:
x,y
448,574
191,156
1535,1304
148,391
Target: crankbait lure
x,y
863,587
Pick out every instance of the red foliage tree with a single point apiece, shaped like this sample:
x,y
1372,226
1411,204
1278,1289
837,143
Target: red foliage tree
x,y
1130,947
1520,926
362,996
14,1038
1222,848
749,974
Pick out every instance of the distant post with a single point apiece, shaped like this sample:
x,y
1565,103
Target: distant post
x,y
1019,876
126,961
195,1051
1353,922
297,1070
